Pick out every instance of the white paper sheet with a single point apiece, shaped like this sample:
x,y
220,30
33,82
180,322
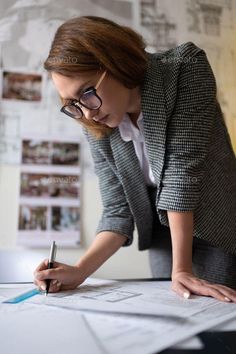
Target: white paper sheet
x,y
147,298
99,303
190,343
27,328
133,334
228,326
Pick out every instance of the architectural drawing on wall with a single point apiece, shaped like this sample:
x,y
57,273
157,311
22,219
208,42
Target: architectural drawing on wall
x,y
224,70
208,16
49,207
160,29
121,8
211,15
25,22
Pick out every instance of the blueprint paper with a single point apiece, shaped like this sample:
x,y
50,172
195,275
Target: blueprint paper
x,y
133,332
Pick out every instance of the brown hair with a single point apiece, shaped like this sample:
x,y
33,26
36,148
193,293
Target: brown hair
x,y
90,43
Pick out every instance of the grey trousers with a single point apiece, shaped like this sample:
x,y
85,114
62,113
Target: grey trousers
x,y
209,262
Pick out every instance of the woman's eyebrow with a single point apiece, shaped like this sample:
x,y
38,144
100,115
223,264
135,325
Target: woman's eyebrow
x,y
78,92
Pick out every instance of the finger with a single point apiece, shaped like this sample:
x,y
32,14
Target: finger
x,y
215,293
204,288
231,291
42,265
46,274
41,285
54,286
58,285
229,294
55,283
181,290
220,296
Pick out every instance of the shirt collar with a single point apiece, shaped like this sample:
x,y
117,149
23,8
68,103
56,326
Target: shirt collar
x,y
128,131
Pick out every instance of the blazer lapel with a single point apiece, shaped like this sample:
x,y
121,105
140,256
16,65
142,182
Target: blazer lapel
x,y
154,125
133,182
154,117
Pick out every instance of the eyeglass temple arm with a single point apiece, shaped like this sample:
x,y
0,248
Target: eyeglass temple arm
x,y
100,80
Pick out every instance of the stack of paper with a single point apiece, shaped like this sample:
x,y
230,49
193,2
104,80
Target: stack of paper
x,y
109,317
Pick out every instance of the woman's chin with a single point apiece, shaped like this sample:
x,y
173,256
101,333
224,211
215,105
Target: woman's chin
x,y
112,122
110,125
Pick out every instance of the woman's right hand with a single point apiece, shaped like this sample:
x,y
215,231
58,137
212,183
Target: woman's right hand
x,y
65,277
62,276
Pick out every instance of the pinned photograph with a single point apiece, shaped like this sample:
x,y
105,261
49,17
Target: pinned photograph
x,y
34,185
64,186
65,153
64,218
22,86
50,153
36,152
32,218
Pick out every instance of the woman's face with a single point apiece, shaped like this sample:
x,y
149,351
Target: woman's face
x,y
116,98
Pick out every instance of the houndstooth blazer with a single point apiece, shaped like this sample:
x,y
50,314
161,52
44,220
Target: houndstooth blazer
x,y
189,151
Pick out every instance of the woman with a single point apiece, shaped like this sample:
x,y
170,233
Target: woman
x,y
161,151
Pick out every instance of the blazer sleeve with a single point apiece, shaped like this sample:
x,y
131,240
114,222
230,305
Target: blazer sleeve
x,y
116,215
189,134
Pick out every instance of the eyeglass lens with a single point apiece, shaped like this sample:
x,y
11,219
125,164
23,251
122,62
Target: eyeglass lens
x,y
89,100
72,111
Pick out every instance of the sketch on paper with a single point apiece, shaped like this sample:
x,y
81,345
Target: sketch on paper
x,y
115,294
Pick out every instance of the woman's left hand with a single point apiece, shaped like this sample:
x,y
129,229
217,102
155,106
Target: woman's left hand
x,y
185,284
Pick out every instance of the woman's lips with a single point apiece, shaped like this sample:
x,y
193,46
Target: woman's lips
x,y
103,119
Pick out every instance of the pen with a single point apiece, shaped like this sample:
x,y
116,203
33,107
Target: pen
x,y
51,259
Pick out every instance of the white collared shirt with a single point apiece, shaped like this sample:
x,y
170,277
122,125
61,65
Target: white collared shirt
x,y
128,132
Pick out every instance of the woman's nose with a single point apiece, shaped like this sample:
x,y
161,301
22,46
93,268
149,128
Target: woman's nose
x,y
89,114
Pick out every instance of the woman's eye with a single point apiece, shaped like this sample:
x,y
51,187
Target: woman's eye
x,y
88,89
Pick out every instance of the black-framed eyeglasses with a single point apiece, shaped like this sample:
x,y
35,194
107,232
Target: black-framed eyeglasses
x,y
89,99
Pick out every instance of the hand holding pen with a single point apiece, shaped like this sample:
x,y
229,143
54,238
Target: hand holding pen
x,y
56,276
51,260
